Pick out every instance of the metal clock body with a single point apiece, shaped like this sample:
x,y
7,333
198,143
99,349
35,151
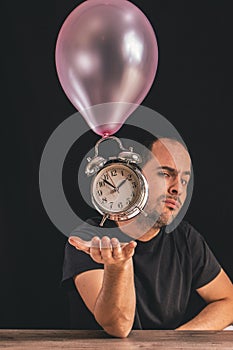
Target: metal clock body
x,y
119,190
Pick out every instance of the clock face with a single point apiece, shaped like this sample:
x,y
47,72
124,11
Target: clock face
x,y
116,188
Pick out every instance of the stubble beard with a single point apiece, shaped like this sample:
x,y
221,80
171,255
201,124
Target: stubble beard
x,y
155,219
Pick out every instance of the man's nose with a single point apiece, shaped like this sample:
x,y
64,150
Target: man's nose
x,y
175,187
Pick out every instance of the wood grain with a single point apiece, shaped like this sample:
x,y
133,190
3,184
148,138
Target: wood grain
x,y
148,339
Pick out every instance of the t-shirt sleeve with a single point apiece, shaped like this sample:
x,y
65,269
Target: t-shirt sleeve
x,y
76,261
205,266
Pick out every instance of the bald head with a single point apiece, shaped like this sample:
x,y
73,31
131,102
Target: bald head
x,y
167,150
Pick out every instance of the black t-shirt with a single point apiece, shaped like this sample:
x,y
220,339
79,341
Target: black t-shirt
x,y
167,269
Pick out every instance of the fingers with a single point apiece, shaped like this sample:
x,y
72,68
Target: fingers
x,y
101,249
113,251
116,249
129,248
79,244
95,252
105,250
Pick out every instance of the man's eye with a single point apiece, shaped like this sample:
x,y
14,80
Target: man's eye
x,y
184,182
163,174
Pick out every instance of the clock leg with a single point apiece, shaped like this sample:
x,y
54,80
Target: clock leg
x,y
104,218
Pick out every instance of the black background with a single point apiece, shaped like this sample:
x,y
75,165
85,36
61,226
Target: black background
x,y
193,90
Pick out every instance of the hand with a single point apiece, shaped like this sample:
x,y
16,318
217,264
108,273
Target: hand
x,y
105,251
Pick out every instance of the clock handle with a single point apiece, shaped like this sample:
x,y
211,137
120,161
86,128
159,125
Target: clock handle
x,y
105,139
97,162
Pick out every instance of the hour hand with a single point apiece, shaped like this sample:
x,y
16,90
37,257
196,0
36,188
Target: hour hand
x,y
107,182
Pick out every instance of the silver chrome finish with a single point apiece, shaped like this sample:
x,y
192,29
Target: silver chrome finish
x,y
136,208
126,158
94,165
130,156
97,162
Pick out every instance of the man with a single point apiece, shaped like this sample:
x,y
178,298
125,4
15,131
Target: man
x,y
146,283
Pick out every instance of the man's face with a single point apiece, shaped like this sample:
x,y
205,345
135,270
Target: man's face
x,y
168,174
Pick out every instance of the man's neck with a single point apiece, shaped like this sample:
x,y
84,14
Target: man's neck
x,y
131,228
149,235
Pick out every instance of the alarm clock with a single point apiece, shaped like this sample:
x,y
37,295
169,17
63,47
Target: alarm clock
x,y
119,190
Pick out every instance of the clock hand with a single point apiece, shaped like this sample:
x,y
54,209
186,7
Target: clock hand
x,y
109,184
122,183
111,179
117,188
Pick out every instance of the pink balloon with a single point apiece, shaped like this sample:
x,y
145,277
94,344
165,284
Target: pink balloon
x,y
106,52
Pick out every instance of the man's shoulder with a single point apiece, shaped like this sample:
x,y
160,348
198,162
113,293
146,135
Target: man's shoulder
x,y
183,227
186,231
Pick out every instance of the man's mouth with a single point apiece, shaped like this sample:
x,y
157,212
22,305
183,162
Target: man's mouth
x,y
172,203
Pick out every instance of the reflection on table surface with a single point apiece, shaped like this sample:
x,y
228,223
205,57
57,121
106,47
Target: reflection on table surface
x,y
145,339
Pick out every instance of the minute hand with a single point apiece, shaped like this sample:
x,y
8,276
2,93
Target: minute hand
x,y
122,183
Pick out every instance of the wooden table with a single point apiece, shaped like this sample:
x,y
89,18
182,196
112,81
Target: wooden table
x,y
73,339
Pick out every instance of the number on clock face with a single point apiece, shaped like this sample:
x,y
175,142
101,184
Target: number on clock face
x,y
116,188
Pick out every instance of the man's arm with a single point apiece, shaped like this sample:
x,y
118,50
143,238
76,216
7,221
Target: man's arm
x,y
218,314
110,293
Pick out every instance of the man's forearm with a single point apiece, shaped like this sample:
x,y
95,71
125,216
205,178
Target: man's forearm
x,y
215,316
115,306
